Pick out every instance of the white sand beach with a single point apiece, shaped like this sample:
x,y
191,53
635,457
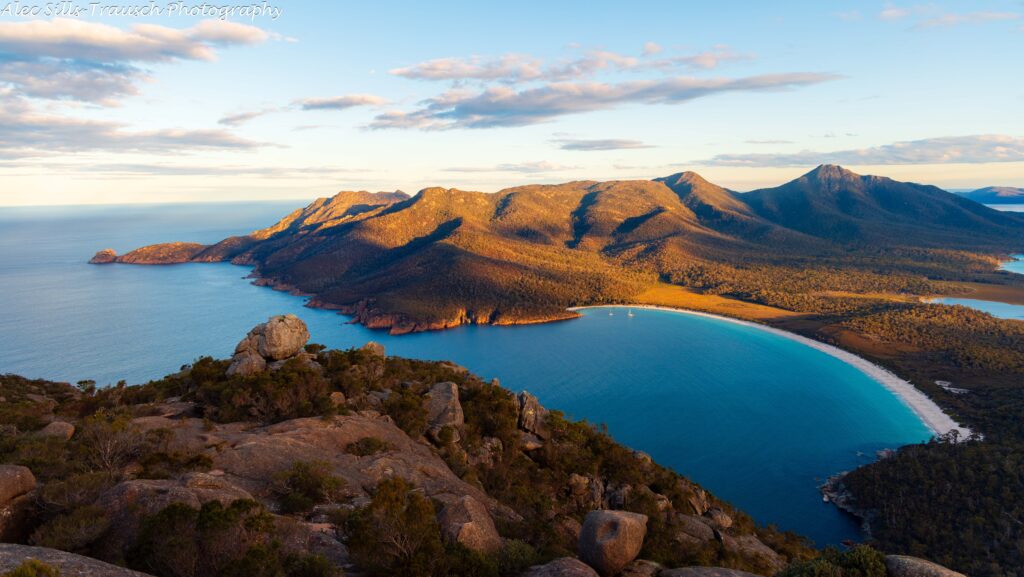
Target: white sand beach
x,y
930,413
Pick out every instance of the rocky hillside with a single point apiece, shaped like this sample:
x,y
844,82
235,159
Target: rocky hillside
x,y
448,257
292,460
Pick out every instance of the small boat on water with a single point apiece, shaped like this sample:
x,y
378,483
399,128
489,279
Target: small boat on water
x,y
630,313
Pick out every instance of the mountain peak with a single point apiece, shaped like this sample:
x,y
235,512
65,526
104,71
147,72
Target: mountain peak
x,y
688,177
831,172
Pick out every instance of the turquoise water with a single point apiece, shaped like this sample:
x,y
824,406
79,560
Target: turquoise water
x,y
758,419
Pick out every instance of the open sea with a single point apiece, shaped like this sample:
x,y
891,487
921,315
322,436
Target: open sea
x,y
758,419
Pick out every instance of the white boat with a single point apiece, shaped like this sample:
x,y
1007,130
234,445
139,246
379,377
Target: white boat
x,y
630,313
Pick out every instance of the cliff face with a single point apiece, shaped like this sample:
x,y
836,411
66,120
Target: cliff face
x,y
447,257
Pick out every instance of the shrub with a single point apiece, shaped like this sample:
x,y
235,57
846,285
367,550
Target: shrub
x,y
33,568
397,533
408,410
461,561
515,557
73,531
367,446
306,485
861,561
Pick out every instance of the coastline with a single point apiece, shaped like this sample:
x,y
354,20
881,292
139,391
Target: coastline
x,y
920,404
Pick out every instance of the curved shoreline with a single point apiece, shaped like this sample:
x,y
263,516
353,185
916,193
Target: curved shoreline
x,y
920,404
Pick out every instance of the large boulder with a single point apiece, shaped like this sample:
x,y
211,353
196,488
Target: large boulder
x,y
443,408
465,520
16,485
280,338
562,567
58,429
15,481
692,530
906,566
69,564
533,418
610,540
704,572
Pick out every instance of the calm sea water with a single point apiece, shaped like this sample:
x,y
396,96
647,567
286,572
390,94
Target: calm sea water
x,y
994,308
758,419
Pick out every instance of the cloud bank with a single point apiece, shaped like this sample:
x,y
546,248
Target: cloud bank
x,y
97,63
975,149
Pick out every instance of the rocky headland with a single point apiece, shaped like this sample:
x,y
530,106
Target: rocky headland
x,y
304,461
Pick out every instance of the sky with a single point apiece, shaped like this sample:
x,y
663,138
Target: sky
x,y
186,101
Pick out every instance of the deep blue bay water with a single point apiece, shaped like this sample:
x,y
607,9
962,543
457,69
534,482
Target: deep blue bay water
x,y
758,419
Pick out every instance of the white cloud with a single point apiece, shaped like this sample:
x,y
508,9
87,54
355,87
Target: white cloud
x,y
340,102
506,106
652,48
974,149
514,68
94,62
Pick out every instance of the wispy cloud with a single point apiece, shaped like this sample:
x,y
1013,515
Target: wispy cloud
x,y
600,144
522,168
329,103
28,133
241,118
93,62
514,68
970,18
506,106
340,102
974,149
929,16
891,12
769,141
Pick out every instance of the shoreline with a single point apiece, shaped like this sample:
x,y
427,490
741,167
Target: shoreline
x,y
929,413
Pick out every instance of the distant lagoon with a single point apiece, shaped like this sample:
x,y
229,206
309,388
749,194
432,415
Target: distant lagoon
x,y
758,419
994,308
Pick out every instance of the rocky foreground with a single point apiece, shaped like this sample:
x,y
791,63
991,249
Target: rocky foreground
x,y
290,460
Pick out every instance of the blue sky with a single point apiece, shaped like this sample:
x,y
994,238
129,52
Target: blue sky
x,y
404,95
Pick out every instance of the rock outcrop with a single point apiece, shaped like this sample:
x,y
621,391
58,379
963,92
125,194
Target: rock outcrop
x,y
906,566
444,410
129,502
69,564
610,540
562,567
279,339
105,256
465,520
532,416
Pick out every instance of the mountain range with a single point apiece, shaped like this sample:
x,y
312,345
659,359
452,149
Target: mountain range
x,y
446,257
996,195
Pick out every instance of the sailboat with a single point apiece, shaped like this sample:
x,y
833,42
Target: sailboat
x,y
630,313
